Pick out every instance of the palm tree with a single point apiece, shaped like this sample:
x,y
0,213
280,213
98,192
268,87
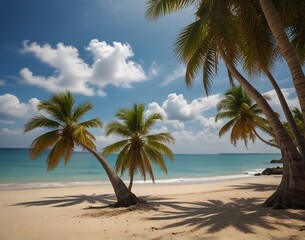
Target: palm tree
x,y
66,133
200,45
244,117
138,148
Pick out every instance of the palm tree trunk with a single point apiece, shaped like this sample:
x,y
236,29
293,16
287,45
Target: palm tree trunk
x,y
125,197
130,183
297,136
286,48
291,191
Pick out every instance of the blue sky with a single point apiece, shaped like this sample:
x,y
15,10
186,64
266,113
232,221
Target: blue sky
x,y
106,52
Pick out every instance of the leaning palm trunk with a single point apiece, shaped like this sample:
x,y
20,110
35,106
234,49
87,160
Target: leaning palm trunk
x,y
291,191
125,197
286,48
291,122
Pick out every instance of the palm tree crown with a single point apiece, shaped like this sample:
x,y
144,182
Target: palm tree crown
x,y
244,116
67,132
138,148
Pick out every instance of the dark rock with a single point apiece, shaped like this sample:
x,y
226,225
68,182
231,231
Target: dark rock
x,y
273,171
277,161
257,174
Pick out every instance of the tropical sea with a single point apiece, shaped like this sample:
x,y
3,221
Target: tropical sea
x,y
17,171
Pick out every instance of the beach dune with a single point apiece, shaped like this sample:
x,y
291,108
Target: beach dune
x,y
229,209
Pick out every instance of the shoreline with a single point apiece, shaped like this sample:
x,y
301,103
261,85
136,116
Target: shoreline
x,y
173,181
230,209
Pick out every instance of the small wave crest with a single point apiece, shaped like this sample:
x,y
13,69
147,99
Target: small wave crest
x,y
196,180
254,171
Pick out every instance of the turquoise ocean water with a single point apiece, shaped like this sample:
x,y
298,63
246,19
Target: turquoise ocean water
x,y
18,171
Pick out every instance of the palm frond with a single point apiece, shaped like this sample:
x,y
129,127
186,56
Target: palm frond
x,y
43,142
117,128
190,39
161,137
60,106
134,161
56,154
226,127
226,114
209,68
156,157
147,166
81,136
123,162
69,147
158,8
41,121
80,111
51,109
115,147
149,122
93,123
161,148
136,119
122,114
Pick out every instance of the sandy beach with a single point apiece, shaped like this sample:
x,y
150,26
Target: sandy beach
x,y
221,210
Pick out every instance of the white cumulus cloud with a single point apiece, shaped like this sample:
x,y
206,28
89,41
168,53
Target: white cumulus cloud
x,y
12,107
111,66
178,111
176,107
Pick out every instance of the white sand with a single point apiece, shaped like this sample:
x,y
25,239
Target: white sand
x,y
223,210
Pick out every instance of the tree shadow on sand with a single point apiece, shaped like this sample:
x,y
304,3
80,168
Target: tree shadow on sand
x,y
257,187
70,200
242,214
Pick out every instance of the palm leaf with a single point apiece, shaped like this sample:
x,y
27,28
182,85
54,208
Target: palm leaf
x,y
150,121
226,127
161,137
123,162
147,166
117,128
156,157
43,142
80,111
57,152
157,8
114,147
226,114
161,148
93,123
40,121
